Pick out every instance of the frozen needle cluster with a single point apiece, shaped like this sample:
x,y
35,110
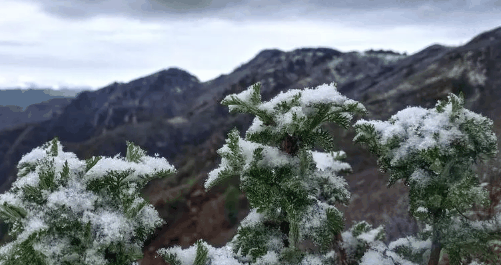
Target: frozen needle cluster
x,y
67,211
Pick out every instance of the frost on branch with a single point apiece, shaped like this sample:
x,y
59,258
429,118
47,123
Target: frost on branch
x,y
433,152
67,211
291,189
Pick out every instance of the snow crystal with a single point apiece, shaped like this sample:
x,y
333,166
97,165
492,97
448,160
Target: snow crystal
x,y
268,259
324,160
370,236
420,177
314,217
68,196
253,218
415,244
222,255
421,209
372,257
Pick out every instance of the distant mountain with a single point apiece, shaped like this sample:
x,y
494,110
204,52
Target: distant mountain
x,y
20,106
175,115
24,97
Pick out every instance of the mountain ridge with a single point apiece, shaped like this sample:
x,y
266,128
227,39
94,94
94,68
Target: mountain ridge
x,y
24,97
21,106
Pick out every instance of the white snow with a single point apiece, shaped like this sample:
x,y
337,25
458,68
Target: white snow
x,y
109,224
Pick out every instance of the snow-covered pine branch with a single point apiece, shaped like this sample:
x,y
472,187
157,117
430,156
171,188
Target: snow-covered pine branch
x,y
433,151
284,181
67,211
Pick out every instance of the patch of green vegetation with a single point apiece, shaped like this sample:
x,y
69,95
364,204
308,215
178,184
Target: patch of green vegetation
x,y
231,204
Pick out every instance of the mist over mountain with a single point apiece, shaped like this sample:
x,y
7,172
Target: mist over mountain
x,y
23,97
175,115
21,106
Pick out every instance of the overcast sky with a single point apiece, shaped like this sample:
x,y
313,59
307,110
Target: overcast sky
x,y
96,42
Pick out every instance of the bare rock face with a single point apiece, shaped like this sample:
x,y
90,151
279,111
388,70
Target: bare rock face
x,y
173,114
167,92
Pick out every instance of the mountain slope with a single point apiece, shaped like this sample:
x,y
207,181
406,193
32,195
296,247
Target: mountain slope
x,y
173,114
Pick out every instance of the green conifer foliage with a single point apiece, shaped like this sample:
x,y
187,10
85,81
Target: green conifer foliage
x,y
55,193
281,177
231,204
433,152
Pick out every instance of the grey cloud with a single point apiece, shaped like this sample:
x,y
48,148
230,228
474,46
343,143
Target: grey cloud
x,y
406,12
140,9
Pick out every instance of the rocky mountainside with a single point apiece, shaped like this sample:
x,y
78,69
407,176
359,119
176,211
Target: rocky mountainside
x,y
175,115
